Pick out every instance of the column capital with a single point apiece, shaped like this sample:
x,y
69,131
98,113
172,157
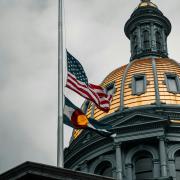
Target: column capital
x,y
156,161
129,165
162,138
118,161
171,160
117,144
163,156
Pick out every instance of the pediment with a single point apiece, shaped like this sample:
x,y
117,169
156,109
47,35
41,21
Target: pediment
x,y
138,118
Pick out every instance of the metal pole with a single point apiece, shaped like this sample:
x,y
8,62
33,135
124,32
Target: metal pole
x,y
60,131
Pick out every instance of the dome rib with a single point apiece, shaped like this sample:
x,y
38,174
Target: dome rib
x,y
122,86
158,102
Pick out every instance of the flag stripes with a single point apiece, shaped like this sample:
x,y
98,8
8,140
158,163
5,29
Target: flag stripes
x,y
80,88
78,82
91,92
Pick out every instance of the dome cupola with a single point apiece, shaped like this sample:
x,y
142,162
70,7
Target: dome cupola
x,y
147,30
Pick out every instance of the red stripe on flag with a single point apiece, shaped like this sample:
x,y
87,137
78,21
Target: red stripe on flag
x,y
74,79
94,93
84,91
93,86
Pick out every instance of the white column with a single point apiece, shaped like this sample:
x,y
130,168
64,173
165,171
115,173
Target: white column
x,y
139,40
129,171
153,39
118,162
164,41
163,160
172,168
156,169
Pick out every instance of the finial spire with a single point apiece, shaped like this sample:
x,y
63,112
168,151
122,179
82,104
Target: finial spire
x,y
145,0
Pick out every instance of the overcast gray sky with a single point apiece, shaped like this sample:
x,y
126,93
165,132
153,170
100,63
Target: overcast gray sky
x,y
28,65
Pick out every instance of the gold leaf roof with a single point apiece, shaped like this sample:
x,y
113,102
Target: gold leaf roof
x,y
139,66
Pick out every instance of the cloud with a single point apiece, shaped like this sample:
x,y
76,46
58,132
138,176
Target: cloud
x,y
28,93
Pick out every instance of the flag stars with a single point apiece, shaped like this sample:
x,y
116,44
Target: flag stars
x,y
76,68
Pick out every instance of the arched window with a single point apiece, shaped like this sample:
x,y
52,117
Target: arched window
x,y
104,169
146,40
135,49
158,41
177,165
172,83
134,39
138,84
134,44
143,165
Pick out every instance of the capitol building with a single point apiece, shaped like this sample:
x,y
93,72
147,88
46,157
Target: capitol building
x,y
144,113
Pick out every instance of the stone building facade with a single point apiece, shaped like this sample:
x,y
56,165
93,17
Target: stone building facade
x,y
145,111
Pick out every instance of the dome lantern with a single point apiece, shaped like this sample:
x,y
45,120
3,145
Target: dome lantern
x,y
147,30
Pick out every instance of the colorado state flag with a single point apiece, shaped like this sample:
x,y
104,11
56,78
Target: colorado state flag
x,y
75,118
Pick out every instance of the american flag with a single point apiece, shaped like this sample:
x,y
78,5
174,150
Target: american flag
x,y
78,82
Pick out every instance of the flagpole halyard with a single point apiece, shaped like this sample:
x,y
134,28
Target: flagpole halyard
x,y
60,130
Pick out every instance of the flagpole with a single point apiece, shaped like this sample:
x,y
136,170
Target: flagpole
x,y
60,130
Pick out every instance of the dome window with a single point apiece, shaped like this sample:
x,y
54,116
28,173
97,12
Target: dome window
x,y
158,41
110,88
139,84
146,40
172,83
134,44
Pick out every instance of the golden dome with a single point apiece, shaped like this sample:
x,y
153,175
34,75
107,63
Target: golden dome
x,y
123,78
141,66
